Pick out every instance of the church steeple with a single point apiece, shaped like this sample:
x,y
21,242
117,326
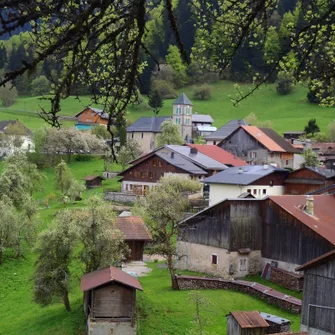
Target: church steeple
x,y
182,115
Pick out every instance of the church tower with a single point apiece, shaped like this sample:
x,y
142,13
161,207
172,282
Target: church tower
x,y
182,115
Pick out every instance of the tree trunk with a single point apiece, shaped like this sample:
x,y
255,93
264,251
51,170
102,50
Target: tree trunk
x,y
69,157
174,282
67,301
18,252
1,257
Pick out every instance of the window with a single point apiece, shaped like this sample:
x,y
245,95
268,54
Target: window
x,y
264,191
151,175
132,135
271,183
131,186
142,135
142,175
243,264
159,164
254,154
178,110
136,174
187,121
126,187
177,120
214,259
153,163
249,190
188,111
286,162
214,142
255,191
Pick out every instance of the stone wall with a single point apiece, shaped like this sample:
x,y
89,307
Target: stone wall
x,y
275,328
113,328
271,296
292,281
123,197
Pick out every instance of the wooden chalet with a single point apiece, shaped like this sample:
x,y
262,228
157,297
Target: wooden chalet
x,y
110,301
236,237
135,233
259,146
325,151
246,323
93,181
91,115
308,179
318,304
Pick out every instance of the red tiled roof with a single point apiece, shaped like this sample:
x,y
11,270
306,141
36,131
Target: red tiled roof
x,y
133,228
249,319
262,138
323,220
108,275
220,155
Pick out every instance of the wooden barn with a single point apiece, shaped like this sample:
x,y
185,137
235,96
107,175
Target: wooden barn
x,y
135,233
246,323
318,304
90,115
93,181
110,301
308,179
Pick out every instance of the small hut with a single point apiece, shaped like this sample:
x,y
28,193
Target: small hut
x,y
93,181
277,324
246,323
135,233
110,301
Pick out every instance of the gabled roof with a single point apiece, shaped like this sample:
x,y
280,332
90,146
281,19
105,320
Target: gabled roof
x,y
326,173
97,111
148,124
325,148
218,154
236,176
92,177
202,118
249,319
198,158
317,261
325,190
4,124
183,100
226,130
108,275
133,228
323,220
287,146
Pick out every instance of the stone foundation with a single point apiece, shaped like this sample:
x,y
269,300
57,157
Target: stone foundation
x,y
122,197
290,280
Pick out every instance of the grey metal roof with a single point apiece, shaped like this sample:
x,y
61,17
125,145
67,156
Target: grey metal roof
x,y
226,130
183,100
100,112
179,161
323,172
250,174
202,118
274,319
148,124
198,158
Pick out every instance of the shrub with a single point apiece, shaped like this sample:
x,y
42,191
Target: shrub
x,y
164,88
83,158
203,92
40,86
285,84
8,94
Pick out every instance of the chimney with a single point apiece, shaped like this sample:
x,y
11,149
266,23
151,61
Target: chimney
x,y
172,154
309,209
240,170
193,151
265,166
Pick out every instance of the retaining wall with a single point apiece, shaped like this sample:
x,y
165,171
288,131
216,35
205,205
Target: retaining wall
x,y
292,281
120,197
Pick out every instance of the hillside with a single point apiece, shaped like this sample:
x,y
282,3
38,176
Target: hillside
x,y
290,112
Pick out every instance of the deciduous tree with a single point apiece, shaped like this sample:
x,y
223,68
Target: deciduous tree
x,y
311,158
8,94
128,153
170,134
63,177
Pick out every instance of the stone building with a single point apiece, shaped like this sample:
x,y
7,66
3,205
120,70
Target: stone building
x,y
182,115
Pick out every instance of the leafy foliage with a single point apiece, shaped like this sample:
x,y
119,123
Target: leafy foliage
x,y
165,88
170,134
312,127
8,94
40,86
203,92
285,84
128,152
311,158
155,101
252,120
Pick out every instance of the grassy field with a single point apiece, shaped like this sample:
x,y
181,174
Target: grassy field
x,y
290,112
160,310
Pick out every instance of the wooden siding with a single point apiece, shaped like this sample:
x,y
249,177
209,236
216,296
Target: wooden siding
x,y
229,226
151,170
278,179
136,250
113,301
94,183
233,328
88,116
319,289
288,240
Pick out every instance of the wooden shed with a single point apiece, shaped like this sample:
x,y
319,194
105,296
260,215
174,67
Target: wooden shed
x,y
135,233
318,305
246,323
110,301
93,181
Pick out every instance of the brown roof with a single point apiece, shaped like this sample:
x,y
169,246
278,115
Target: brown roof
x,y
287,146
133,228
89,178
108,275
323,220
249,319
326,148
317,261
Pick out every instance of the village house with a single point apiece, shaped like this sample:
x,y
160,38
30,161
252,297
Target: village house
x,y
318,304
14,135
258,180
293,135
135,234
326,153
202,124
236,237
146,171
259,146
324,191
228,128
110,301
93,181
308,179
89,117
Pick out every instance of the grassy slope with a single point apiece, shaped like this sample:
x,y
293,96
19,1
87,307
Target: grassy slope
x,y
290,112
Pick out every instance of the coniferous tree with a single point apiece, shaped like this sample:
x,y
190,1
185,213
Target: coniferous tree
x,y
155,101
312,127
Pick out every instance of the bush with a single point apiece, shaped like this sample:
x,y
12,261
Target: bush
x,y
8,94
203,92
40,86
285,84
164,88
83,158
